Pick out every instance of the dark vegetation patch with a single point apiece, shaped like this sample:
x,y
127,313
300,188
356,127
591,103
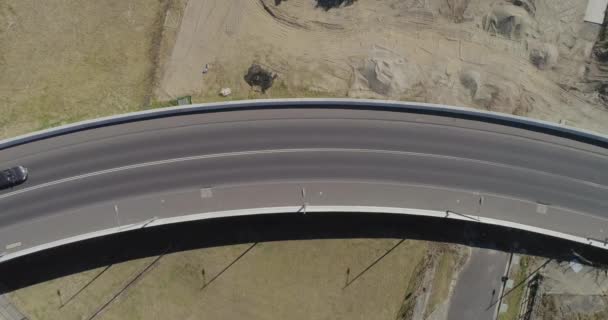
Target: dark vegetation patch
x,y
259,78
328,4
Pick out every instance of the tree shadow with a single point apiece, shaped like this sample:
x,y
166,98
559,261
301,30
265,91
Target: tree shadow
x,y
104,251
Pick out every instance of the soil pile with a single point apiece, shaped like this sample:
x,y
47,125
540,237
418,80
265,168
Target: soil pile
x,y
385,73
259,78
328,4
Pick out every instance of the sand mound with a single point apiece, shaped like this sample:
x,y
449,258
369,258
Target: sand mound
x,y
543,56
386,73
508,20
491,93
529,5
454,9
470,80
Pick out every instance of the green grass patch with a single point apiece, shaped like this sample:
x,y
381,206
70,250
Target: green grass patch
x,y
514,297
442,280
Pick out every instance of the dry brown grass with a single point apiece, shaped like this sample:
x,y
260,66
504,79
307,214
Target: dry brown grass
x,y
41,301
63,61
515,296
274,280
450,260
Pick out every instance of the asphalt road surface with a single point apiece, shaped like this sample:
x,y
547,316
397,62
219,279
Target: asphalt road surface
x,y
89,180
478,288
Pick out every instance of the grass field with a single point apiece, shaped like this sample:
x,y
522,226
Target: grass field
x,y
448,262
62,62
76,296
313,279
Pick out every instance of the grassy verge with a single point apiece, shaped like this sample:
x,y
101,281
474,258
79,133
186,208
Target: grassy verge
x,y
442,280
514,298
278,91
406,311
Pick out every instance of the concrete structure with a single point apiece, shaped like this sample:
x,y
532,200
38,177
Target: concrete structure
x,y
208,161
596,9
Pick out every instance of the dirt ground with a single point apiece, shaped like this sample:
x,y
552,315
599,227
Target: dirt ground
x,y
320,279
567,290
485,54
61,62
571,294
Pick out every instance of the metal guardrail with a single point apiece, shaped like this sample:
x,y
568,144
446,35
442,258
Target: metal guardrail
x,y
354,104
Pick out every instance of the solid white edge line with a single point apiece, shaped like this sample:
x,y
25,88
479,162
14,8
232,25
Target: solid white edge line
x,y
296,210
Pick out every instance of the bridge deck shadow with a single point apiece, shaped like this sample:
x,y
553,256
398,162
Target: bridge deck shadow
x,y
98,252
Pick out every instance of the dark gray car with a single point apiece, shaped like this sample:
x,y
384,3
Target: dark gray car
x,y
12,177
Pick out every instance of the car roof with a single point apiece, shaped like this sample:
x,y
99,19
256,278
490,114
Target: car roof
x,y
5,177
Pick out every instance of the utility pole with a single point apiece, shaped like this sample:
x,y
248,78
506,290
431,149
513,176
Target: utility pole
x,y
304,200
347,276
204,279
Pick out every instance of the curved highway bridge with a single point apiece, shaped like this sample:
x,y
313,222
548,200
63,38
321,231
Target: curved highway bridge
x,y
297,156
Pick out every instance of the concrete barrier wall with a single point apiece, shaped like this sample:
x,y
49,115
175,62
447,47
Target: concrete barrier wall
x,y
359,104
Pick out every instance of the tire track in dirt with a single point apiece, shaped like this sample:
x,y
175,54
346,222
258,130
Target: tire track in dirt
x,y
155,51
276,28
280,18
233,19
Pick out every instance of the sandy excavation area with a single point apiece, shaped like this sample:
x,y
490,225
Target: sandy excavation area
x,y
533,58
